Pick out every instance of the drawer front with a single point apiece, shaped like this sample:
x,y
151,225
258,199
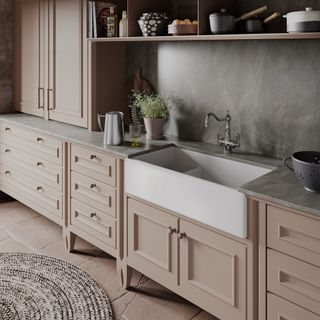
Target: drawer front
x,y
294,280
294,234
33,166
95,165
37,192
32,142
94,193
279,309
93,222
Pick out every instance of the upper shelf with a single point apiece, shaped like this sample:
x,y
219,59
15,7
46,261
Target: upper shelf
x,y
225,37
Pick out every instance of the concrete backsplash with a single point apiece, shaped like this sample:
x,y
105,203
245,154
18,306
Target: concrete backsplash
x,y
272,89
6,56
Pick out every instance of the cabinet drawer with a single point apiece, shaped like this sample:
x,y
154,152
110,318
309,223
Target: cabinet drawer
x,y
213,271
94,193
32,142
294,234
93,164
42,195
279,309
42,170
294,280
93,222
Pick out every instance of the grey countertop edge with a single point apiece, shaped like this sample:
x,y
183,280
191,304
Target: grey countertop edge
x,y
277,201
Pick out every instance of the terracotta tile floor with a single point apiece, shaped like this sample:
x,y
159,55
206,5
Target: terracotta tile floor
x,y
23,230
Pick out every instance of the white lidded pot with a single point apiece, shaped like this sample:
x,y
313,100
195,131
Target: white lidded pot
x,y
303,21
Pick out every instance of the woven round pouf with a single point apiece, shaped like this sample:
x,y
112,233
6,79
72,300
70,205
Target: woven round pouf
x,y
43,288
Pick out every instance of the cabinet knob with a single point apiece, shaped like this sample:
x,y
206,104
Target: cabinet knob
x,y
181,235
93,186
39,139
39,188
39,164
7,129
7,151
171,230
7,172
93,156
93,214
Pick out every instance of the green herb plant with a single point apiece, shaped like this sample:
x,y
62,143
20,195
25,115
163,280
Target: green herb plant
x,y
151,105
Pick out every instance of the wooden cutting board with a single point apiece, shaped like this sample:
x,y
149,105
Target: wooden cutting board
x,y
135,85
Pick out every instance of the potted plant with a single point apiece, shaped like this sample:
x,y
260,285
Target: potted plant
x,y
155,112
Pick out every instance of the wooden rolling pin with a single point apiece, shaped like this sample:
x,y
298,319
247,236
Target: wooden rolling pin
x,y
253,13
272,17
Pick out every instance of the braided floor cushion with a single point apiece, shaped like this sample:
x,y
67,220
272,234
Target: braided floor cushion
x,y
37,287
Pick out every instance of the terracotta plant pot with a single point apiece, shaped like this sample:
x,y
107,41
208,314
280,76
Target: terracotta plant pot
x,y
154,127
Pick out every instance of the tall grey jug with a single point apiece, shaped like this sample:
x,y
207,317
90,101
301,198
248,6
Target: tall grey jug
x,y
113,128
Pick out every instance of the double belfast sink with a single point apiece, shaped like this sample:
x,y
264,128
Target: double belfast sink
x,y
196,185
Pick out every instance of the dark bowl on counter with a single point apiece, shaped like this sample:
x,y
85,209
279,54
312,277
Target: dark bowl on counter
x,y
306,165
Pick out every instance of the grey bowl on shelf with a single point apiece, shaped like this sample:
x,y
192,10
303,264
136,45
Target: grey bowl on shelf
x,y
153,24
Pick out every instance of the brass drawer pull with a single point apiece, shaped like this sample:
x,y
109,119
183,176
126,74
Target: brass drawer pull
x,y
181,235
7,129
93,156
39,140
93,186
93,214
7,172
7,151
171,230
39,164
39,189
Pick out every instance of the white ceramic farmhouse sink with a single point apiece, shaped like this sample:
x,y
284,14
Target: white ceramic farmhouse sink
x,y
196,185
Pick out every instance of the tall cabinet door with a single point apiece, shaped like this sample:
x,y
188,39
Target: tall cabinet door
x,y
65,96
213,271
152,243
29,61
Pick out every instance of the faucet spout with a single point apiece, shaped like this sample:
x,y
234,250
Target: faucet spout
x,y
228,144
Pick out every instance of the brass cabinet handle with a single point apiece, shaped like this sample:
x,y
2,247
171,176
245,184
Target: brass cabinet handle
x,y
93,156
40,90
93,186
48,98
39,164
181,235
171,230
93,214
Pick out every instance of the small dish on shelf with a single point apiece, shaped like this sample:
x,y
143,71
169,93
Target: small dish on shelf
x,y
183,27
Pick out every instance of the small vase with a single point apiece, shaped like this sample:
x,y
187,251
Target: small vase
x,y
154,127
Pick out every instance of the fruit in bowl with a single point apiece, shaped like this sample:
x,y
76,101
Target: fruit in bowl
x,y
183,27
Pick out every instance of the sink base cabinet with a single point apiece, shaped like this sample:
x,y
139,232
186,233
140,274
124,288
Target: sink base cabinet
x,y
203,266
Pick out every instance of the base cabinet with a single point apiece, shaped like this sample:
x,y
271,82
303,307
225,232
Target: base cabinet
x,y
202,266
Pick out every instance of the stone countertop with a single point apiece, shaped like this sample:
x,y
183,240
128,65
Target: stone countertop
x,y
280,186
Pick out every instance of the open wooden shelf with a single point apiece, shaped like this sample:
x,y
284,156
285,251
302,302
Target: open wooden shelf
x,y
225,37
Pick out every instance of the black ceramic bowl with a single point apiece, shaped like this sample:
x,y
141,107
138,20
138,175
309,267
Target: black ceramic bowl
x,y
306,165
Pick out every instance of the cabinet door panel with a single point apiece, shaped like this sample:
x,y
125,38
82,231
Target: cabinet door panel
x,y
29,82
152,249
213,271
64,94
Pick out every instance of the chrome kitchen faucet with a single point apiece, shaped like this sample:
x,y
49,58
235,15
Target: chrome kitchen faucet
x,y
228,144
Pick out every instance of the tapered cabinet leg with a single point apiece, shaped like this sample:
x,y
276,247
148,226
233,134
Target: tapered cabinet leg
x,y
69,240
125,275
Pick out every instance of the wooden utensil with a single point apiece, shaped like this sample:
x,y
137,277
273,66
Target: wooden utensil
x,y
253,13
140,84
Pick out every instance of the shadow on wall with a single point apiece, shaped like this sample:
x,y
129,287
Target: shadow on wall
x,y
6,55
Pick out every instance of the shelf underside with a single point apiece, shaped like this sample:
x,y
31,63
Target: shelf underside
x,y
225,37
